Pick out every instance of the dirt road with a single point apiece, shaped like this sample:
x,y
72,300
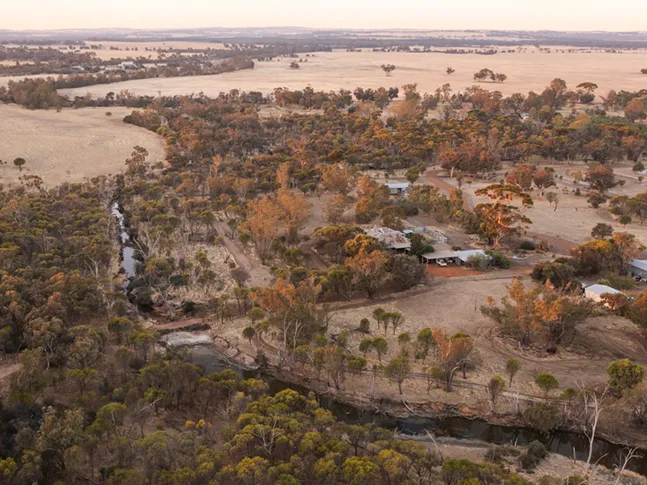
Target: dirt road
x,y
259,275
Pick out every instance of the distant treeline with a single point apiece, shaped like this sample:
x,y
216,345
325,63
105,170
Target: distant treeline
x,y
42,93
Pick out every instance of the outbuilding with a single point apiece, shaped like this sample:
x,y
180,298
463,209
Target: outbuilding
x,y
444,254
638,267
397,188
127,65
464,256
595,292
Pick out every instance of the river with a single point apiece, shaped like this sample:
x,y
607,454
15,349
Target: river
x,y
560,442
127,251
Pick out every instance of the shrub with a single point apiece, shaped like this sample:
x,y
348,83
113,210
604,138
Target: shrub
x,y
638,167
576,480
560,275
527,246
618,282
478,261
498,259
542,416
595,200
623,374
537,450
546,382
364,326
496,454
625,219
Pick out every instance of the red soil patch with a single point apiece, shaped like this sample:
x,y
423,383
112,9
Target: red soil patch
x,y
450,271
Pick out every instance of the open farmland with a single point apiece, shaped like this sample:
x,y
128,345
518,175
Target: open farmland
x,y
526,71
70,145
118,49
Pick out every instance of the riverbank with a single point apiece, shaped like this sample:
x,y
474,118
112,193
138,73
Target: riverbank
x,y
446,423
461,414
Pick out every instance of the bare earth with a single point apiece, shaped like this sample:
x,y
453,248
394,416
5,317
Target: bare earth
x,y
454,304
574,218
339,69
70,145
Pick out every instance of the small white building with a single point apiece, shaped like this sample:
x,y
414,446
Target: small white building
x,y
595,292
638,267
397,188
127,65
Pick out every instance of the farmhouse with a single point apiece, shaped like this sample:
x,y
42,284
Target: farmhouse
x,y
638,267
397,188
428,232
391,239
595,292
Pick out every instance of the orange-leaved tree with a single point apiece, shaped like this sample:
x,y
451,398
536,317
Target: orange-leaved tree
x,y
499,218
454,351
262,225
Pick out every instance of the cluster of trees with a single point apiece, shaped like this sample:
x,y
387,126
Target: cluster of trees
x,y
43,60
55,256
282,439
541,314
626,208
486,73
388,69
41,93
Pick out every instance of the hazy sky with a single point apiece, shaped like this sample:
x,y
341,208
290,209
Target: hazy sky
x,y
619,15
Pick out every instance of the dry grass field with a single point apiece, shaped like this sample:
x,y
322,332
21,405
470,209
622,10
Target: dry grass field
x,y
69,145
334,70
454,305
106,53
574,218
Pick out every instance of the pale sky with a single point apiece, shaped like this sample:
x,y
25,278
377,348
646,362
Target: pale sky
x,y
610,15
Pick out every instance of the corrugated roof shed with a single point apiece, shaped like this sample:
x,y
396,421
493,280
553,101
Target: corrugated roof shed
x,y
600,289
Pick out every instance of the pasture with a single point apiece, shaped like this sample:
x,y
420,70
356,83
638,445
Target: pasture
x,y
529,70
70,145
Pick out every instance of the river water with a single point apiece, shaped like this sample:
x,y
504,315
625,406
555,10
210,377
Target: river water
x,y
561,442
127,251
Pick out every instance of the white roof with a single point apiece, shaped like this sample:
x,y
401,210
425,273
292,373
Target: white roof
x,y
600,289
466,254
639,263
398,185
